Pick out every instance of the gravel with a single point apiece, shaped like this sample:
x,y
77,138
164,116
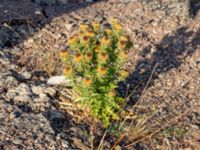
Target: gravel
x,y
162,32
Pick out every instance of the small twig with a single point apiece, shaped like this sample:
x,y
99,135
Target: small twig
x,y
118,140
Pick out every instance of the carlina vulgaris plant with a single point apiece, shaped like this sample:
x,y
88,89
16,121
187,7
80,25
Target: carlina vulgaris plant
x,y
94,63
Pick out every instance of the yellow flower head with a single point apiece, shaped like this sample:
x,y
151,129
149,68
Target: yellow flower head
x,y
101,70
67,70
97,48
123,38
72,39
96,26
112,93
78,57
123,54
85,39
83,27
90,34
122,44
113,21
124,73
102,56
88,56
87,81
81,33
64,54
118,27
105,41
108,31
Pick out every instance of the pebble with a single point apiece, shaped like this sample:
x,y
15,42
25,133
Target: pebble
x,y
26,75
11,94
65,144
51,91
23,89
22,99
42,98
38,90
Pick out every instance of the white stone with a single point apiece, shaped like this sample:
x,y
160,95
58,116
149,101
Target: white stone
x,y
59,80
26,75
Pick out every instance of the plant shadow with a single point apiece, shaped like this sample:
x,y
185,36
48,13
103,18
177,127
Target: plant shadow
x,y
169,54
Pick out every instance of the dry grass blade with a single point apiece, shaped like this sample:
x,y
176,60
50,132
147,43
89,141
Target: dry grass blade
x,y
79,144
100,147
140,96
9,27
160,129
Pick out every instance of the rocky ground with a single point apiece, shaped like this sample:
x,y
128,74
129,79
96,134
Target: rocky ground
x,y
163,33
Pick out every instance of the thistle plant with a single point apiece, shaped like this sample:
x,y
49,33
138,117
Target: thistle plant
x,y
94,64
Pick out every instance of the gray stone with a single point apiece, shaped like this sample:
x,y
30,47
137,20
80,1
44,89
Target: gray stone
x,y
54,114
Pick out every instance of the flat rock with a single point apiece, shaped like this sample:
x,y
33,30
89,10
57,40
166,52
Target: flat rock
x,y
59,80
